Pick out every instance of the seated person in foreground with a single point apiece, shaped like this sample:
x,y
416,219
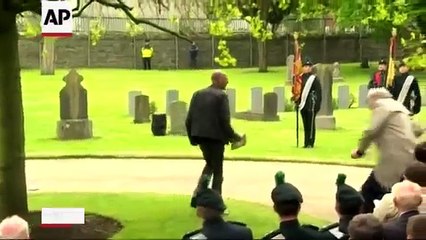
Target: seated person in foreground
x,y
287,201
210,207
416,227
420,152
407,199
348,204
365,227
14,228
385,209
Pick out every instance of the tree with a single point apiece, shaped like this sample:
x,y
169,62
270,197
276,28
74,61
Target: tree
x,y
13,189
407,16
263,16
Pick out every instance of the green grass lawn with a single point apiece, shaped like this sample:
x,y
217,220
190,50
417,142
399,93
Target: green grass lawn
x,y
154,216
115,134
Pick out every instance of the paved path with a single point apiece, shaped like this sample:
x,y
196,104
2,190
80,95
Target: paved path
x,y
250,181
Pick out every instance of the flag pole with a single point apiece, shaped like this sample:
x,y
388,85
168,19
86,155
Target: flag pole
x,y
297,84
390,73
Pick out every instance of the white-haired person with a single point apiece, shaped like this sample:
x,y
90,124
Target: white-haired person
x,y
407,199
14,227
392,132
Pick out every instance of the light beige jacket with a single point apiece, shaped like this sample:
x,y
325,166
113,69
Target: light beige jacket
x,y
385,209
392,131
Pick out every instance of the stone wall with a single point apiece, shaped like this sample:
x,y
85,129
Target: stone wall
x,y
121,51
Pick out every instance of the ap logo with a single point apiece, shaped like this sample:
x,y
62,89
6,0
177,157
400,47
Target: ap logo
x,y
56,19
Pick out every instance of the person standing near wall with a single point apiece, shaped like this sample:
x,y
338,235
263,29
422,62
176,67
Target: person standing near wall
x,y
147,52
193,53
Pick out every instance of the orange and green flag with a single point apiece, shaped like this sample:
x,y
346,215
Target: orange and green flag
x,y
392,60
297,71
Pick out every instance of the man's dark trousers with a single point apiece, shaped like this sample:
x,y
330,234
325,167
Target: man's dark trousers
x,y
146,63
213,153
370,191
308,118
193,62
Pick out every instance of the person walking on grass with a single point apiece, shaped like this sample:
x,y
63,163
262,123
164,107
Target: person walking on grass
x,y
391,130
208,125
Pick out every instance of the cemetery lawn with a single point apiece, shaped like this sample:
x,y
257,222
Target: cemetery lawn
x,y
115,134
155,216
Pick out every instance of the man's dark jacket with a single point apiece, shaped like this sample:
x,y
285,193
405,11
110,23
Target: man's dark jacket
x,y
396,229
209,117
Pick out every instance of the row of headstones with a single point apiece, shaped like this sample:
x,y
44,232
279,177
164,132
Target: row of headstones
x,y
257,101
140,109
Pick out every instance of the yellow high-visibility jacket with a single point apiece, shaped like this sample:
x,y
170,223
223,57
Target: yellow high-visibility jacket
x,y
147,52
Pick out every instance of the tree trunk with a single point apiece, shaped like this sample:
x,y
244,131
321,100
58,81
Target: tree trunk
x,y
48,57
263,56
13,189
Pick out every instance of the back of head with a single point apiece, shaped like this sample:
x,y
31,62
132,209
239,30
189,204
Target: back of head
x,y
378,93
348,200
416,173
365,227
407,195
416,227
209,203
420,152
287,198
14,228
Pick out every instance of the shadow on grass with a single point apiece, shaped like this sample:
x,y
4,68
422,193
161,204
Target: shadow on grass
x,y
60,140
257,71
95,227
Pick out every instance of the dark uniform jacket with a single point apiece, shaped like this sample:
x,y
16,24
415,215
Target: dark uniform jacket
x,y
396,229
209,117
219,229
414,89
292,230
315,93
339,230
378,79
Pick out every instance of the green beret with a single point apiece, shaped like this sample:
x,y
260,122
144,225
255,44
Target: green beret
x,y
347,195
209,198
285,192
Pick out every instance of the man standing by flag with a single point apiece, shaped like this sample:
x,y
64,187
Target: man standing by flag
x,y
406,89
309,102
379,77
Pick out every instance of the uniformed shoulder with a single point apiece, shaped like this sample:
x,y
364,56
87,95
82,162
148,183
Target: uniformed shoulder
x,y
194,235
276,234
237,223
311,227
328,227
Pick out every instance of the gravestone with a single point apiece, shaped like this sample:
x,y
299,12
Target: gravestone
x,y
159,124
325,118
257,100
270,101
289,64
336,72
343,97
364,63
171,96
280,91
74,123
178,112
142,110
362,96
232,100
131,102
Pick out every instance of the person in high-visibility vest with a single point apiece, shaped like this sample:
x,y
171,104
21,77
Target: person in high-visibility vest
x,y
147,52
